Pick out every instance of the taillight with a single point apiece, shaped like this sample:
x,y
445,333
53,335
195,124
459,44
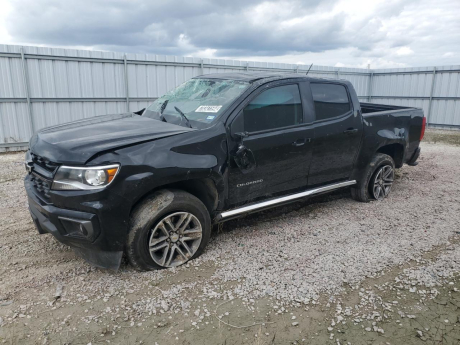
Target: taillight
x,y
423,128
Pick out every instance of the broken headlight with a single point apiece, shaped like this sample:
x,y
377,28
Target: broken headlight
x,y
84,178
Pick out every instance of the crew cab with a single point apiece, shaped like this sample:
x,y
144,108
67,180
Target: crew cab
x,y
152,184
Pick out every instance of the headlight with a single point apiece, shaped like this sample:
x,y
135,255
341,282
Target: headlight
x,y
84,178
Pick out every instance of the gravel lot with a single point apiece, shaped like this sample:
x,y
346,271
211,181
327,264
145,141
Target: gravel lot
x,y
327,270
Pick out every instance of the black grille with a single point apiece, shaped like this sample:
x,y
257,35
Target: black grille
x,y
44,163
42,174
41,184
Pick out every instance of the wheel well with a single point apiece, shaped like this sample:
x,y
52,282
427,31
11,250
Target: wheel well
x,y
204,189
395,151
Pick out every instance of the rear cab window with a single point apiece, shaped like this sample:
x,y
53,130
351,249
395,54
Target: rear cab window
x,y
330,100
277,107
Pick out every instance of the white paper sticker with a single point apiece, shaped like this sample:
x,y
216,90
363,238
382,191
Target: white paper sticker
x,y
208,109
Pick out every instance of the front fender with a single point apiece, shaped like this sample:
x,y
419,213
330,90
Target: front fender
x,y
149,166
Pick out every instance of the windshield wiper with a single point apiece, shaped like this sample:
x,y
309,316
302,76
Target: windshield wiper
x,y
162,109
206,93
183,115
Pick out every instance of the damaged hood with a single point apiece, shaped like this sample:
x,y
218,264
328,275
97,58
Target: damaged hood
x,y
76,142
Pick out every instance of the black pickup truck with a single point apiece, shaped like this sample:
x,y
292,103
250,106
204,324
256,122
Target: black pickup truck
x,y
152,184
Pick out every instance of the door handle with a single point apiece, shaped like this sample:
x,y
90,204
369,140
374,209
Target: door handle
x,y
350,130
300,142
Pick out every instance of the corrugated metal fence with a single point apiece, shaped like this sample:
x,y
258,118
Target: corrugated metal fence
x,y
434,89
41,86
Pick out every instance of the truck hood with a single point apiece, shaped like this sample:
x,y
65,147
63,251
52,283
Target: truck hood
x,y
76,142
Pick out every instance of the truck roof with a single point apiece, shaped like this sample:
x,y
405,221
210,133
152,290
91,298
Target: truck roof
x,y
256,76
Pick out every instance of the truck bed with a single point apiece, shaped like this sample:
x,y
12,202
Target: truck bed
x,y
368,108
402,126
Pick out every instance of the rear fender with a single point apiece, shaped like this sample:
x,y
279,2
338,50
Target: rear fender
x,y
391,142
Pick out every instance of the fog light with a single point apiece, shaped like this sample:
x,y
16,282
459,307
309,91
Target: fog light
x,y
78,228
83,230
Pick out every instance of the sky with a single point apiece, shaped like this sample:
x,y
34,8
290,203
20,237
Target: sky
x,y
384,34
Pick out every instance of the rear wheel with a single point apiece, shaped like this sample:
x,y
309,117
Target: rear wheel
x,y
377,180
382,182
168,229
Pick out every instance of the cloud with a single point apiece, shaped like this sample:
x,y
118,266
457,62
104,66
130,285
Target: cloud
x,y
349,32
404,51
257,28
4,13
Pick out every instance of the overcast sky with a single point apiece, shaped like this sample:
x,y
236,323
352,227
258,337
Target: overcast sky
x,y
389,33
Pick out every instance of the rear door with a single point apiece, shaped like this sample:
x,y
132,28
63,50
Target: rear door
x,y
338,132
276,146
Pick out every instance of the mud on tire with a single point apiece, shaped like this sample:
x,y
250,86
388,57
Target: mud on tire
x,y
362,191
161,212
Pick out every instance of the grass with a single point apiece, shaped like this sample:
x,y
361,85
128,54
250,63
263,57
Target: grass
x,y
451,137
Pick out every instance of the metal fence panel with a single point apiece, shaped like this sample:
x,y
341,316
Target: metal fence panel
x,y
446,112
11,85
42,86
14,122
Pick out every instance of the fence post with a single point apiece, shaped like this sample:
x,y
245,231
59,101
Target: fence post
x,y
247,66
337,73
126,82
202,67
369,87
25,74
431,96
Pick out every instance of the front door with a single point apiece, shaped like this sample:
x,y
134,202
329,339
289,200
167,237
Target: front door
x,y
273,153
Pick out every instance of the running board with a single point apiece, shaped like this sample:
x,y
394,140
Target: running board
x,y
273,202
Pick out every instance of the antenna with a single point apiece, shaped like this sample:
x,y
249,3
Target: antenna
x,y
309,69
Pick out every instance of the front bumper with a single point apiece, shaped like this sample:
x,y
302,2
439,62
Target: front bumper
x,y
88,233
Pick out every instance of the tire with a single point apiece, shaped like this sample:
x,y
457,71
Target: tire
x,y
365,190
171,218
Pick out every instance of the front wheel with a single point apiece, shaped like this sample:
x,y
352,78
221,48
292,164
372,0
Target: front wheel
x,y
377,180
168,229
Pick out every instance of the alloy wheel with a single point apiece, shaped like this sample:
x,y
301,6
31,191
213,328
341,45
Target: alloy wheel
x,y
175,239
382,182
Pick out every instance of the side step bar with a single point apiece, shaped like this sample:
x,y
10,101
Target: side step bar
x,y
284,199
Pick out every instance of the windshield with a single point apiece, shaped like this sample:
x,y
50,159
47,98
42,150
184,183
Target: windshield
x,y
200,101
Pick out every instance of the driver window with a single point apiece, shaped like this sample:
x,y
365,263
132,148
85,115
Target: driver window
x,y
274,108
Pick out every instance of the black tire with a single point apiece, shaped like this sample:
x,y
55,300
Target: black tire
x,y
362,191
153,210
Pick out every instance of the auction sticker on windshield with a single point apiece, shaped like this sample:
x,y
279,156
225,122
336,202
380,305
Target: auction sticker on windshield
x,y
208,109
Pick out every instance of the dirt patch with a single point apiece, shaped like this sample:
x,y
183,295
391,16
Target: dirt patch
x,y
313,272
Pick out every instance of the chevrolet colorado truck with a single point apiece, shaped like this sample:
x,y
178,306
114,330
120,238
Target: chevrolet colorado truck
x,y
152,184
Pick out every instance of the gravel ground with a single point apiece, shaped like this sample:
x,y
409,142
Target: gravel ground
x,y
281,276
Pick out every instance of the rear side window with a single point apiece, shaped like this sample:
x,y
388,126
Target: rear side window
x,y
274,108
330,100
